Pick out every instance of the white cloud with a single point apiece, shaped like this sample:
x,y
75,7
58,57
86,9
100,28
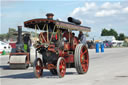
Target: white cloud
x,y
84,9
105,5
125,10
109,5
103,13
76,10
109,9
106,9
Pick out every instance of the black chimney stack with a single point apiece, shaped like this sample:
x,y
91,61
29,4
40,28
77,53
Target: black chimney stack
x,y
19,44
50,16
19,34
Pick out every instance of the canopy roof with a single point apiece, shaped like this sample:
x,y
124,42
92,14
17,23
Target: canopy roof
x,y
59,24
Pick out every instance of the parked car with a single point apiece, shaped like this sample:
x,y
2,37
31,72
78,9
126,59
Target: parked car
x,y
5,46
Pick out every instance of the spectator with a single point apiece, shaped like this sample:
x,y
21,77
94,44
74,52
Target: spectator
x,y
82,38
27,42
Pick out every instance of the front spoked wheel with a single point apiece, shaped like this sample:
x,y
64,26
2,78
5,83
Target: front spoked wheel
x,y
37,67
61,67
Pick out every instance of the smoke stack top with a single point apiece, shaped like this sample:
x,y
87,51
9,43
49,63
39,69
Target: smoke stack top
x,y
49,15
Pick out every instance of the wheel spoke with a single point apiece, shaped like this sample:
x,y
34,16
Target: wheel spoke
x,y
38,67
62,72
85,61
60,67
85,67
84,52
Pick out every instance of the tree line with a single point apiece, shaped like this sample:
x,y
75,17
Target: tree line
x,y
8,35
11,35
112,32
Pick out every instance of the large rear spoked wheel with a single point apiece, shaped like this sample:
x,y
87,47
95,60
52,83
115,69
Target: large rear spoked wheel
x,y
38,71
81,59
61,67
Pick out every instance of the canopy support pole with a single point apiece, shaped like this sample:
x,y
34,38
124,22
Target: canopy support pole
x,y
52,33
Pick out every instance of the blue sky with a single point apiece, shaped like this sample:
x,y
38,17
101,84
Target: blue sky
x,y
97,14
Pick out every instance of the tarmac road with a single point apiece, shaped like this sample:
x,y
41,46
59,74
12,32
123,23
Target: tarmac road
x,y
108,68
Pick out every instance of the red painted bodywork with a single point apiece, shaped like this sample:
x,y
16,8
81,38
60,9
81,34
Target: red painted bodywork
x,y
13,45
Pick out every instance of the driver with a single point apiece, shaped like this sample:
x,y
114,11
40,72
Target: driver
x,y
82,38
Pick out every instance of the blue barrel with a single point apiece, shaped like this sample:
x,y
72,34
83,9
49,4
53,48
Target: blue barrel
x,y
102,47
97,47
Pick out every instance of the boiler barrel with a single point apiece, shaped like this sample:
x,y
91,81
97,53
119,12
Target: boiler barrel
x,y
76,21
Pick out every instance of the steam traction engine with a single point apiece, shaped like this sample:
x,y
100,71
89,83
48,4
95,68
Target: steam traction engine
x,y
19,58
59,47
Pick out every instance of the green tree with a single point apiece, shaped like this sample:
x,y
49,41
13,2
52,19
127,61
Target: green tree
x,y
110,32
104,32
121,36
3,36
8,35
